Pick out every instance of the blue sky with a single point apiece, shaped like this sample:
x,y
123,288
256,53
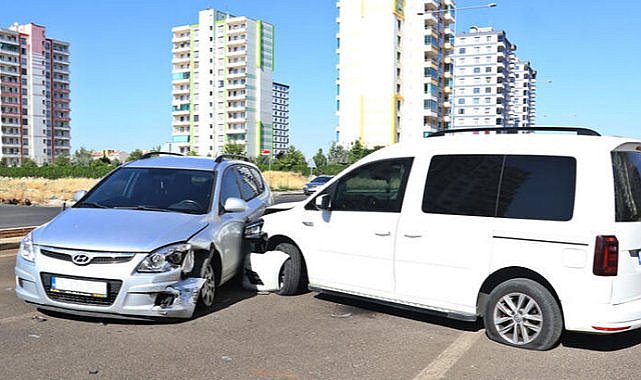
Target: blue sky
x,y
586,53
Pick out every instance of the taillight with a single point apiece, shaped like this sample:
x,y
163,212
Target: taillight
x,y
606,256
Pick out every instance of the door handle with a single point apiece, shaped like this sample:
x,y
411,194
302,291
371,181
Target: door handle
x,y
308,224
382,233
412,236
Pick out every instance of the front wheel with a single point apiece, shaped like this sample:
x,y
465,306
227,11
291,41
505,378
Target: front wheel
x,y
292,277
203,268
523,313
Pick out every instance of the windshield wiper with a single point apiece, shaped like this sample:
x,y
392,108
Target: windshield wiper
x,y
143,208
91,204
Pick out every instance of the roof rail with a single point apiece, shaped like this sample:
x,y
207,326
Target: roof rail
x,y
225,156
579,131
151,154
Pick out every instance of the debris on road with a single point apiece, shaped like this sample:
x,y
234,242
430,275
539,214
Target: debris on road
x,y
35,336
38,318
226,358
345,315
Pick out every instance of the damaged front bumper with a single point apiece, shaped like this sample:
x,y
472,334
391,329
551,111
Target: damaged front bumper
x,y
262,271
128,294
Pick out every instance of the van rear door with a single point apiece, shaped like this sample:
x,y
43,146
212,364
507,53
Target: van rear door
x,y
626,166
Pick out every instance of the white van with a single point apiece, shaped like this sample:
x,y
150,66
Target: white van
x,y
532,232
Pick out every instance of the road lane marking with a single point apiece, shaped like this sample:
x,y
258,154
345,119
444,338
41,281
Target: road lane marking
x,y
439,367
16,318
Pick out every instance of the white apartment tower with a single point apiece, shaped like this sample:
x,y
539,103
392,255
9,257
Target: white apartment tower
x,y
492,88
394,70
34,96
222,84
280,117
522,94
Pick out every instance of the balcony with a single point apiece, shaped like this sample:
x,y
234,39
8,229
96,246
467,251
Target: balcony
x,y
178,39
430,19
448,46
240,63
237,53
182,58
448,17
177,122
236,29
237,97
239,41
8,71
236,120
236,75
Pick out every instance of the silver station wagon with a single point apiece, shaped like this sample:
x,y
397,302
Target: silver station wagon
x,y
154,238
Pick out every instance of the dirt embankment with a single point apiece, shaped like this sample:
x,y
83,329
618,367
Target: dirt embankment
x,y
52,192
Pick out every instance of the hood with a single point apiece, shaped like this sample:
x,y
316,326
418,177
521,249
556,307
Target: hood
x,y
117,230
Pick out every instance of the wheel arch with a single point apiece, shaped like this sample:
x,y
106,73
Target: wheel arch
x,y
273,241
509,273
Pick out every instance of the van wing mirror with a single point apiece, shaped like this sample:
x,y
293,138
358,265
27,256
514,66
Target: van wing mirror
x,y
79,194
322,202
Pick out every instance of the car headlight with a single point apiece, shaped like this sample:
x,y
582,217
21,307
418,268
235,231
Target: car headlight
x,y
168,258
26,248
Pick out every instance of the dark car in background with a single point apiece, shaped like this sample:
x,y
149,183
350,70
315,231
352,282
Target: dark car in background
x,y
317,182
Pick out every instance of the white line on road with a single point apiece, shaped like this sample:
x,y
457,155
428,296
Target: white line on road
x,y
439,367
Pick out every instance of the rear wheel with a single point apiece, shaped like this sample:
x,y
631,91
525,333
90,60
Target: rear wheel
x,y
292,277
523,313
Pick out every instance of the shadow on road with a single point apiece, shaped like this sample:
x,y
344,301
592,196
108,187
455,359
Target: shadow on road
x,y
357,306
605,343
227,295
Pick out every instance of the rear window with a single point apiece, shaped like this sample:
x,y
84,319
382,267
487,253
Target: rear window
x,y
627,186
512,186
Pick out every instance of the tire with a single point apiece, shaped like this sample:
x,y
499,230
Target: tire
x,y
292,277
523,313
203,268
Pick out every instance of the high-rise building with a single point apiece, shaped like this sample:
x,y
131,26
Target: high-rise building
x,y
492,87
522,94
394,70
280,117
222,84
34,95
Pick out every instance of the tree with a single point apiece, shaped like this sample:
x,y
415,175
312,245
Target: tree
x,y
293,160
82,157
192,153
136,154
28,163
337,154
63,160
105,159
320,159
233,148
356,152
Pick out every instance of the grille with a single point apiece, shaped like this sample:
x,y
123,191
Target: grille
x,y
97,259
113,287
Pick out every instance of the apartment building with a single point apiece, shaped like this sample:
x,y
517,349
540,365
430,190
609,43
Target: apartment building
x,y
280,117
394,69
34,95
522,94
222,84
492,87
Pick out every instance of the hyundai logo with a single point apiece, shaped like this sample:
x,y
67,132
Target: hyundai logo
x,y
81,259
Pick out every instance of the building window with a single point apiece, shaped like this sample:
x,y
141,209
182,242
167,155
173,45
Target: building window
x,y
461,50
476,90
477,70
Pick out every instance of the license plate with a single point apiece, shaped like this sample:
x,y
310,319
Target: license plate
x,y
82,287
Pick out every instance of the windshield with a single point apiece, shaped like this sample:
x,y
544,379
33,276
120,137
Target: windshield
x,y
321,179
154,189
627,185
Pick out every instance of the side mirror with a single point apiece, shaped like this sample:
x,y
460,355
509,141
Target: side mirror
x,y
79,194
322,202
235,205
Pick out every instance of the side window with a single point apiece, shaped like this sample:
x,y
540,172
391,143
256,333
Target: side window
x,y
462,185
249,187
537,187
375,187
258,178
229,186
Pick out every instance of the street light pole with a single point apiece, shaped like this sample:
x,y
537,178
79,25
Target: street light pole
x,y
489,5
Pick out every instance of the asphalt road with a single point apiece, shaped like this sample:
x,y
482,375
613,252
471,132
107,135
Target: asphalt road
x,y
27,216
250,336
